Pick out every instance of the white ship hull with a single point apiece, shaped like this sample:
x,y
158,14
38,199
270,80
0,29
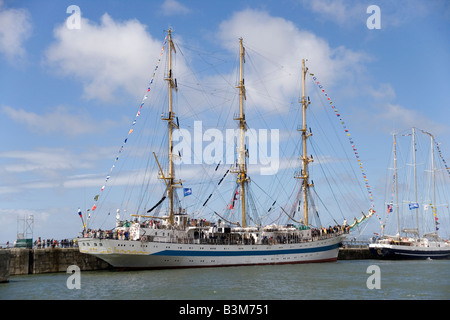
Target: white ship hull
x,y
126,254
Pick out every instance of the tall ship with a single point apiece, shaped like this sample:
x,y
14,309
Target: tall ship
x,y
177,239
416,218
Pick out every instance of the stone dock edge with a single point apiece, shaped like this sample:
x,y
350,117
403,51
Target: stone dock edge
x,y
19,261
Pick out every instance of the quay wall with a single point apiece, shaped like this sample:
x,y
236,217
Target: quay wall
x,y
20,261
5,259
34,261
59,259
361,253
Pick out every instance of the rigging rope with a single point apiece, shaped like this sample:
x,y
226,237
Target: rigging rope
x,y
352,143
96,197
282,209
439,151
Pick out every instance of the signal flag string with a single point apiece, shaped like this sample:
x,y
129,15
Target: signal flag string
x,y
350,139
129,131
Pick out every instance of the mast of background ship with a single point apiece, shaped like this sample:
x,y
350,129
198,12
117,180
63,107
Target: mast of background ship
x,y
242,170
415,178
170,179
433,175
396,185
433,172
304,175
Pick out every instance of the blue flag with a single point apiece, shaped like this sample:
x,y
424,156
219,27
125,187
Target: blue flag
x,y
187,191
413,206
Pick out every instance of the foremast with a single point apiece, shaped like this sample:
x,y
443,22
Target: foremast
x,y
170,178
242,170
304,175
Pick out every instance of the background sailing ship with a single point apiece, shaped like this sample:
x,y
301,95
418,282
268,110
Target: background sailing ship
x,y
418,201
278,223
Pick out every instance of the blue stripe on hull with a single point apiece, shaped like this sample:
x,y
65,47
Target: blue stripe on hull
x,y
208,253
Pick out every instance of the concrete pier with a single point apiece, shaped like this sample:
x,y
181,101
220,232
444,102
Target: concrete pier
x,y
59,259
34,261
354,253
5,259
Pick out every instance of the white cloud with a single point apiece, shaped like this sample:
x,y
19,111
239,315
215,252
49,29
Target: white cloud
x,y
107,58
173,7
281,41
400,12
385,91
59,121
352,13
15,28
42,160
50,168
344,13
384,116
394,116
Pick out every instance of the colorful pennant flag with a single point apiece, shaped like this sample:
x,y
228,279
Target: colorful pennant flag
x,y
436,223
338,115
442,158
134,121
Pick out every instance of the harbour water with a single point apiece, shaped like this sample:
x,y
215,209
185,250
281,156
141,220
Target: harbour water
x,y
342,280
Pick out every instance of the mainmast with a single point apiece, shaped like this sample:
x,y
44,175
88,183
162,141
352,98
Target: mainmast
x,y
415,177
305,135
170,179
242,172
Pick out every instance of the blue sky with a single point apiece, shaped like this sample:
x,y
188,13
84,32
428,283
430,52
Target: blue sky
x,y
67,97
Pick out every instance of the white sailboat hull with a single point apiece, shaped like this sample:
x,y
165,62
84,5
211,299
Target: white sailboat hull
x,y
128,254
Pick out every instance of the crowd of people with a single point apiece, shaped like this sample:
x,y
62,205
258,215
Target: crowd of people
x,y
53,243
46,243
330,231
106,234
